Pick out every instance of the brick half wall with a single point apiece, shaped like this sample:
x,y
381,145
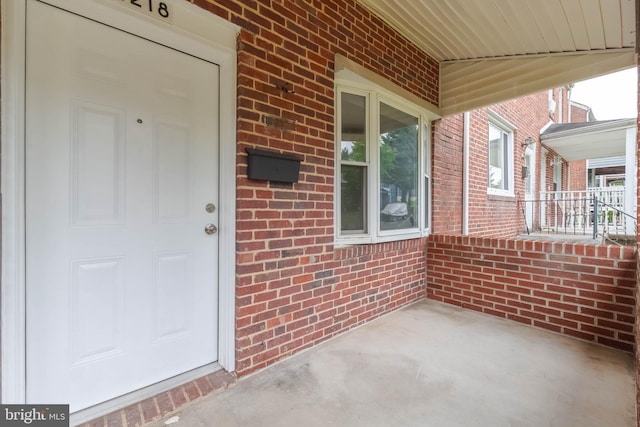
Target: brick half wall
x,y
281,311
582,290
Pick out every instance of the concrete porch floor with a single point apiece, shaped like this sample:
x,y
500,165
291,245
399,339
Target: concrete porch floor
x,y
436,365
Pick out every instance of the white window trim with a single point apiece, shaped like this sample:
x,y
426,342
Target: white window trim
x,y
427,191
498,121
351,82
354,235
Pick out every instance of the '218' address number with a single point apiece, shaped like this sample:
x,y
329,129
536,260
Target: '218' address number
x,y
156,8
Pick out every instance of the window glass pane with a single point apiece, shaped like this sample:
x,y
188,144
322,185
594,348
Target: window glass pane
x,y
353,200
497,168
506,163
557,174
398,169
353,110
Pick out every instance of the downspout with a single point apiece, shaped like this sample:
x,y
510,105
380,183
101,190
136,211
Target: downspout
x,y
560,109
569,90
465,177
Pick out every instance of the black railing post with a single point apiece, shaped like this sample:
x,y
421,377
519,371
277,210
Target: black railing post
x,y
595,217
523,204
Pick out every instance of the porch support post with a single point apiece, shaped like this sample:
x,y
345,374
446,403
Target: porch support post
x,y
465,179
630,179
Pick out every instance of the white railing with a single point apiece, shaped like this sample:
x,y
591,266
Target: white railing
x,y
598,210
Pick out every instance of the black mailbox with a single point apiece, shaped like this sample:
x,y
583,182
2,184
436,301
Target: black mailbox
x,y
273,166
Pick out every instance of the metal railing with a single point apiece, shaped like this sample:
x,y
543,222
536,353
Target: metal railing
x,y
598,212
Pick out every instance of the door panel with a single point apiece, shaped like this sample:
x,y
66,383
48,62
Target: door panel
x,y
97,308
169,269
121,160
97,164
172,167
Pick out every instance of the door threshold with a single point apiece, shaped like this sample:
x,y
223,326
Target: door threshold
x,y
128,399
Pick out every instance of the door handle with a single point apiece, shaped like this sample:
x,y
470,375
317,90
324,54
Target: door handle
x,y
210,229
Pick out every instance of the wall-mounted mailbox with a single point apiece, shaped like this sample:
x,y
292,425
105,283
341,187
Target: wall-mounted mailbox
x,y
273,166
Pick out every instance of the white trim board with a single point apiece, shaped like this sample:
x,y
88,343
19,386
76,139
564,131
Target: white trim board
x,y
193,31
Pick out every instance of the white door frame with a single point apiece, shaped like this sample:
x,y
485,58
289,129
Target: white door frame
x,y
193,31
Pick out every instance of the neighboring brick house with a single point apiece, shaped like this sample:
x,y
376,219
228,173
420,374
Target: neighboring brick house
x,y
138,254
578,180
492,169
472,200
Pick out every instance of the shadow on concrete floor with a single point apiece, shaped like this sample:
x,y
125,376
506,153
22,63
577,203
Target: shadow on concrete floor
x,y
432,364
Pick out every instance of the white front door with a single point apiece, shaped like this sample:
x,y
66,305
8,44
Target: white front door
x,y
121,164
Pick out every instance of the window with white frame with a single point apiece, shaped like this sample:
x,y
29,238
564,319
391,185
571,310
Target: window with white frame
x,y
500,157
426,167
382,172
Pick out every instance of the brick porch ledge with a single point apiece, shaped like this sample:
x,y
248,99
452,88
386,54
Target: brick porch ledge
x,y
156,407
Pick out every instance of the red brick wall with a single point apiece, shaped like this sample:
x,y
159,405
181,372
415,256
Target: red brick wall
x,y
555,115
299,302
493,215
549,159
637,313
489,215
578,175
584,291
447,174
578,114
294,289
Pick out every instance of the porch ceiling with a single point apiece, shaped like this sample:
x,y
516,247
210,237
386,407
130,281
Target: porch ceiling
x,y
494,50
590,140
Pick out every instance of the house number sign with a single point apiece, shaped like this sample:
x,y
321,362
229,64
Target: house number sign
x,y
156,8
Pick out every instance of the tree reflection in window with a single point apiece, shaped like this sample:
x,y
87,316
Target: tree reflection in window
x,y
398,168
353,156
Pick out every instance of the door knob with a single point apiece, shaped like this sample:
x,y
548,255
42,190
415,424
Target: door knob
x,y
210,229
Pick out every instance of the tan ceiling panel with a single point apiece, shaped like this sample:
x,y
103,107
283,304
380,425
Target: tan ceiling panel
x,y
558,20
451,30
468,85
492,50
518,18
542,20
611,24
593,24
628,27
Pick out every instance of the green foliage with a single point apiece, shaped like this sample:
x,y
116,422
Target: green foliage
x,y
357,151
398,159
